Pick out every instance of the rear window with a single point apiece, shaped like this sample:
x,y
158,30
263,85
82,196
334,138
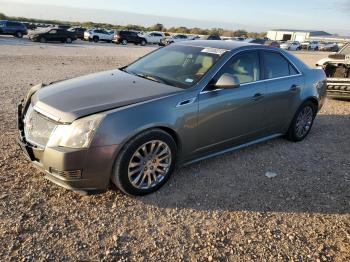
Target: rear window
x,y
277,66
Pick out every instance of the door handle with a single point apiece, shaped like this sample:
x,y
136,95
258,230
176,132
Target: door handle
x,y
258,96
294,88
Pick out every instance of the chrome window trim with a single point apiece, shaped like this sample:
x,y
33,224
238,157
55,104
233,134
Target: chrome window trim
x,y
259,81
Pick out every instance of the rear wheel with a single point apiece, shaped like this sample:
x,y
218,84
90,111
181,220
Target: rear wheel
x,y
19,34
68,40
302,122
124,42
143,42
42,40
95,39
145,163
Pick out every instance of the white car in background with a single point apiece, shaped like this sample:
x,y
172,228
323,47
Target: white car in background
x,y
174,39
97,35
153,37
291,45
311,45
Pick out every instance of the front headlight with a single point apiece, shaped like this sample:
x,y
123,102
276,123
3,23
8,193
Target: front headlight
x,y
76,135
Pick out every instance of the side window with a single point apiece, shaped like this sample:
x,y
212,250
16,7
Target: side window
x,y
53,31
245,66
11,24
277,66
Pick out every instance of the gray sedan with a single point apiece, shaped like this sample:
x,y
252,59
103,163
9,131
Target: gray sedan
x,y
179,104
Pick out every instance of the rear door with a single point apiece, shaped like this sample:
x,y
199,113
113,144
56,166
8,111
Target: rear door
x,y
284,83
10,27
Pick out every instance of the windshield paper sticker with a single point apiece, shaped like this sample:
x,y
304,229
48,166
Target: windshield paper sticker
x,y
216,51
189,80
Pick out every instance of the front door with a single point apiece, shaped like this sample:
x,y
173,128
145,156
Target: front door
x,y
233,116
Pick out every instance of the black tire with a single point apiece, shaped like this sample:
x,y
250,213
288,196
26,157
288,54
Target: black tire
x,y
109,41
42,39
292,133
143,42
95,39
69,40
19,34
124,42
120,172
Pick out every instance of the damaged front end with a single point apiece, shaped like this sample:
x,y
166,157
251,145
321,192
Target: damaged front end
x,y
337,70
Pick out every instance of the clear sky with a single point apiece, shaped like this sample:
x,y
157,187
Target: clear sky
x,y
328,15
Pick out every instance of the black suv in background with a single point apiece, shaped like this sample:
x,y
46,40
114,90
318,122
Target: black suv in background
x,y
78,31
12,28
53,35
124,37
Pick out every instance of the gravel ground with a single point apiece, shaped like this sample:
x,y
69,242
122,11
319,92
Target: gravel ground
x,y
222,209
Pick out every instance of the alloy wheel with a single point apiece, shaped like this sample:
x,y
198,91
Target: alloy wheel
x,y
149,164
304,121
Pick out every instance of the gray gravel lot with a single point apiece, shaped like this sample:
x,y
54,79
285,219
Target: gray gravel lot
x,y
222,209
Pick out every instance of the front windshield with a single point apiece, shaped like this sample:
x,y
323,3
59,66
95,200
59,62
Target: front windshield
x,y
177,65
345,50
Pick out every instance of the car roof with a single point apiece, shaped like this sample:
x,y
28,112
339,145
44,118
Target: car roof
x,y
229,45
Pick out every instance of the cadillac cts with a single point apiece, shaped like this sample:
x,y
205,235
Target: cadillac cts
x,y
177,105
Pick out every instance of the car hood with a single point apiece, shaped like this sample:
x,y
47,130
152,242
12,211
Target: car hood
x,y
68,100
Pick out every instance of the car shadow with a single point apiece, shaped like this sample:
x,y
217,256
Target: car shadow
x,y
313,176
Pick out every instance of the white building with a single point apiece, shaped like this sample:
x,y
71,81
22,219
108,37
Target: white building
x,y
294,35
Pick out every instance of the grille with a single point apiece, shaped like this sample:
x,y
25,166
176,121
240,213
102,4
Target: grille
x,y
37,129
72,174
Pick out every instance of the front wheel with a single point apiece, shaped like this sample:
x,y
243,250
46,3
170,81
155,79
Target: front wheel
x,y
68,40
42,40
145,163
95,39
302,122
143,42
124,42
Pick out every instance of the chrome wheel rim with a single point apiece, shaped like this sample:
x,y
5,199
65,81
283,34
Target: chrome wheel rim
x,y
304,121
149,165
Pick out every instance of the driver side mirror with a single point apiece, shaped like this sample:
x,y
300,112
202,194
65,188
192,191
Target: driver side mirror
x,y
227,81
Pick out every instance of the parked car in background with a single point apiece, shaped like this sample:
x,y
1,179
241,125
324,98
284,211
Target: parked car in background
x,y
209,37
153,37
332,47
173,39
337,69
272,43
310,45
52,35
30,26
78,31
16,29
177,105
123,37
291,45
259,41
97,35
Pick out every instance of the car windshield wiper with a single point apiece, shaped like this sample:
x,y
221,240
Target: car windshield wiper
x,y
153,78
149,77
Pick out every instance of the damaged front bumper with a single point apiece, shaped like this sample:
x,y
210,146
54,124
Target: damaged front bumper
x,y
81,170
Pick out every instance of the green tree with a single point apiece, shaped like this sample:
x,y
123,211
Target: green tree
x,y
240,33
157,27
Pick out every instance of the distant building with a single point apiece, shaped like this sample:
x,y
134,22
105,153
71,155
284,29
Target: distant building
x,y
294,35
